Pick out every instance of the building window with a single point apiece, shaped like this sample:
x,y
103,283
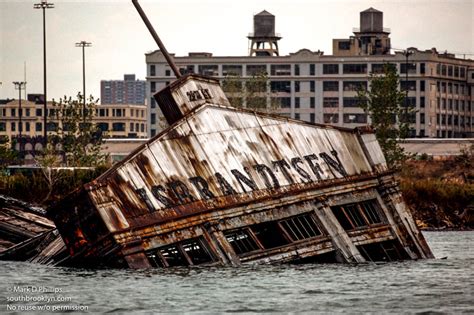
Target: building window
x,y
331,118
27,126
456,71
152,103
462,72
152,86
312,117
450,71
330,69
231,70
102,126
13,126
186,69
344,45
297,86
297,70
27,112
379,68
297,102
312,86
153,119
422,68
152,70
3,126
39,126
13,112
422,102
410,66
312,69
208,70
297,116
330,102
280,86
255,70
356,68
354,85
422,86
52,126
312,102
167,72
443,70
422,118
408,85
279,70
350,102
331,86
284,102
118,126
355,118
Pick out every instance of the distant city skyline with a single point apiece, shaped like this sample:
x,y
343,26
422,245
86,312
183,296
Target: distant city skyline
x,y
120,39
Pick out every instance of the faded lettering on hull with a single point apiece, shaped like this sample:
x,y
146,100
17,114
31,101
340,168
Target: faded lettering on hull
x,y
179,192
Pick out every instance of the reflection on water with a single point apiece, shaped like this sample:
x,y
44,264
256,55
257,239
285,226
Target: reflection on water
x,y
440,285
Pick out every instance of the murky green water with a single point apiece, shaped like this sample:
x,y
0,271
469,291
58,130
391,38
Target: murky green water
x,y
440,285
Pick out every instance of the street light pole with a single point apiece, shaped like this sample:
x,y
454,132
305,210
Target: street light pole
x,y
83,44
20,86
44,5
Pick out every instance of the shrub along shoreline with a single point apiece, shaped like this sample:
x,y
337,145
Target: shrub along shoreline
x,y
440,194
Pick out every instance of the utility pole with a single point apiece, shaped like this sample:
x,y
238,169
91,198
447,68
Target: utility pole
x,y
83,44
20,85
44,5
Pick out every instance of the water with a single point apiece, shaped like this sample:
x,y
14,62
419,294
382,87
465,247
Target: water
x,y
440,285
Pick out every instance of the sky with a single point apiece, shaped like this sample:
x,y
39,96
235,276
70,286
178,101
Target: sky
x,y
120,39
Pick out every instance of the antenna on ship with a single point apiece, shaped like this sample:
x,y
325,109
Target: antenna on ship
x,y
157,39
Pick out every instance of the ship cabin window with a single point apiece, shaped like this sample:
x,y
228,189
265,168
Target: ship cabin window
x,y
358,215
268,235
241,241
186,253
301,227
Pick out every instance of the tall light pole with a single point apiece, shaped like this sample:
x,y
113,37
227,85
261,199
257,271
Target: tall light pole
x,y
44,5
20,85
83,44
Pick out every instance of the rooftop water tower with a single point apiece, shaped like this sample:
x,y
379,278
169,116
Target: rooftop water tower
x,y
264,40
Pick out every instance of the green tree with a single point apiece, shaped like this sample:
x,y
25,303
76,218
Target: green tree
x,y
384,102
75,134
251,93
8,155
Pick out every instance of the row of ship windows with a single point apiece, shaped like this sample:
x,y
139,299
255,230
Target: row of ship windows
x,y
286,69
267,235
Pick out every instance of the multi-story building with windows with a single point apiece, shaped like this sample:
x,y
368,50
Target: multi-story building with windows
x,y
126,91
323,88
117,120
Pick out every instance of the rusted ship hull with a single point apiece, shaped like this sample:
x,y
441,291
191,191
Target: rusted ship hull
x,y
230,186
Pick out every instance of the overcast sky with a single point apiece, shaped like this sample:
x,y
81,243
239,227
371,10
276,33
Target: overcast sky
x,y
120,39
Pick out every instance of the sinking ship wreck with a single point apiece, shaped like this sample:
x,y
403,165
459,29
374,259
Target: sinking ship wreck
x,y
223,185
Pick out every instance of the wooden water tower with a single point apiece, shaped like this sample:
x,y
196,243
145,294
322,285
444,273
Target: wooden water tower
x,y
264,40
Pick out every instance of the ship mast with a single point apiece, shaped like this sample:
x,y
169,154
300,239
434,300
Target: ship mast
x,y
157,39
